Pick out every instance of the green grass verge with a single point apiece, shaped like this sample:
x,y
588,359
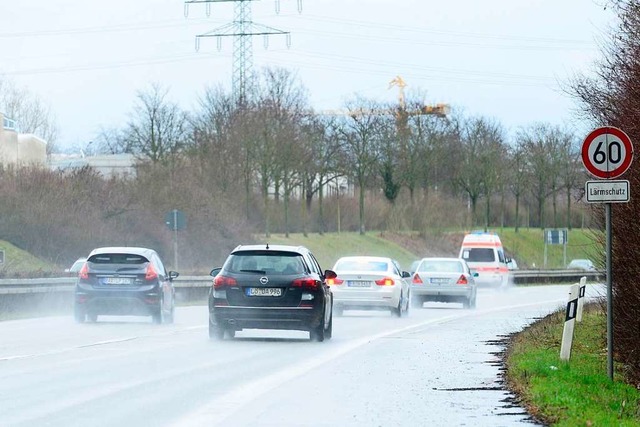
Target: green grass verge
x,y
330,246
19,263
574,393
528,247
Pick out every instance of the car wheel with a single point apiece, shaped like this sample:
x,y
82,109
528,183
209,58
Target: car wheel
x,y
79,314
473,301
215,332
318,333
168,318
416,302
398,310
407,304
329,331
158,315
93,318
231,333
466,303
338,310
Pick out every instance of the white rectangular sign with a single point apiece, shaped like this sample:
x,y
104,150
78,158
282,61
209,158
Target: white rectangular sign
x,y
609,191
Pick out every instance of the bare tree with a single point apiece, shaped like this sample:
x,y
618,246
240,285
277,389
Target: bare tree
x,y
32,115
158,127
361,138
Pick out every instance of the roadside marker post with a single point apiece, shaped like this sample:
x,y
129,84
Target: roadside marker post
x,y
582,290
569,322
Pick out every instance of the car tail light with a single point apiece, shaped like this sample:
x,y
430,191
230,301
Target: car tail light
x,y
462,281
84,272
387,281
305,283
223,281
416,279
151,274
335,281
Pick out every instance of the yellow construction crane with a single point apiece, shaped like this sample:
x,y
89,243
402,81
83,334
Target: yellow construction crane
x,y
440,110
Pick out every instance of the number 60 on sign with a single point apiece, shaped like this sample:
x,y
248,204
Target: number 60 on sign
x,y
607,152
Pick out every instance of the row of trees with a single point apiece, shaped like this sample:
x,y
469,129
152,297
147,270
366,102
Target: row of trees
x,y
274,142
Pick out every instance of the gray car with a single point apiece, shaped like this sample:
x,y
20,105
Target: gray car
x,y
443,280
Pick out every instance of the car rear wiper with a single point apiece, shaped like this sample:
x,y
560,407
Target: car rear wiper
x,y
254,271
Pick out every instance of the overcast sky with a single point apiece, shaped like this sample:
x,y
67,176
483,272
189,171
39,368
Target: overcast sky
x,y
504,59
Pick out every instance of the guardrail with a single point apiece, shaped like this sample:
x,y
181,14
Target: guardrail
x,y
36,297
188,287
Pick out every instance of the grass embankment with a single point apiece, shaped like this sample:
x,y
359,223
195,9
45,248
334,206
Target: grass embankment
x,y
330,246
527,245
574,393
19,263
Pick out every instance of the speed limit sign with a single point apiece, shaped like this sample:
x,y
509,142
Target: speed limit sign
x,y
607,152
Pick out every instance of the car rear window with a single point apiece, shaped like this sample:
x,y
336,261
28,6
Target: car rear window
x,y
361,265
441,267
118,259
479,255
271,262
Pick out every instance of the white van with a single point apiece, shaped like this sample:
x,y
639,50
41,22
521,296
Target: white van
x,y
485,255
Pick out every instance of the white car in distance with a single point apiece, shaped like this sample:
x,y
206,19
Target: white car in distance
x,y
370,283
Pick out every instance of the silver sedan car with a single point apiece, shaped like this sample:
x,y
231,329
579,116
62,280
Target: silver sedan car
x,y
443,280
370,283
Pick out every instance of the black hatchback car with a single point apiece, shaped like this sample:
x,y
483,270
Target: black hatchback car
x,y
271,287
124,281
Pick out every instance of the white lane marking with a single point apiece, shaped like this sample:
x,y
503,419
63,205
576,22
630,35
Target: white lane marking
x,y
221,408
98,343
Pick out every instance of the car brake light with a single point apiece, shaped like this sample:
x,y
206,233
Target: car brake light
x,y
387,281
335,281
224,281
462,281
151,274
416,279
84,272
305,283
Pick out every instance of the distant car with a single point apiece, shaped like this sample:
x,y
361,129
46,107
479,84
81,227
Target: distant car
x,y
124,281
271,287
444,280
76,266
367,282
581,264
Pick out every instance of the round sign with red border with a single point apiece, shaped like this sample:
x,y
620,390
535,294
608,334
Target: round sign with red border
x,y
607,152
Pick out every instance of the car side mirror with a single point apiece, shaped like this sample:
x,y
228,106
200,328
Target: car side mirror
x,y
476,274
173,274
215,271
405,274
330,274
507,260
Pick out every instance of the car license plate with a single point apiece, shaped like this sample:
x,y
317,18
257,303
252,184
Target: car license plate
x,y
358,284
117,281
439,280
264,292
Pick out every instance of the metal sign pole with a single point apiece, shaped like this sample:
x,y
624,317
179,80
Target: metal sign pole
x,y
175,239
607,209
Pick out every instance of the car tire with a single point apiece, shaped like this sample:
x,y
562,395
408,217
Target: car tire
x,y
398,310
158,315
329,331
318,333
416,302
79,314
92,317
168,318
407,305
338,310
466,304
473,301
231,333
216,332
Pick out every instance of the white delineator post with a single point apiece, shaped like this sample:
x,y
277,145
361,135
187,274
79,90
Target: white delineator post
x,y
569,322
581,293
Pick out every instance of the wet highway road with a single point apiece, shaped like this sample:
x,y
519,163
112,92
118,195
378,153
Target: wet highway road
x,y
435,367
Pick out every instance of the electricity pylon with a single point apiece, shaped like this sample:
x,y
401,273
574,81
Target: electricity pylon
x,y
242,29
